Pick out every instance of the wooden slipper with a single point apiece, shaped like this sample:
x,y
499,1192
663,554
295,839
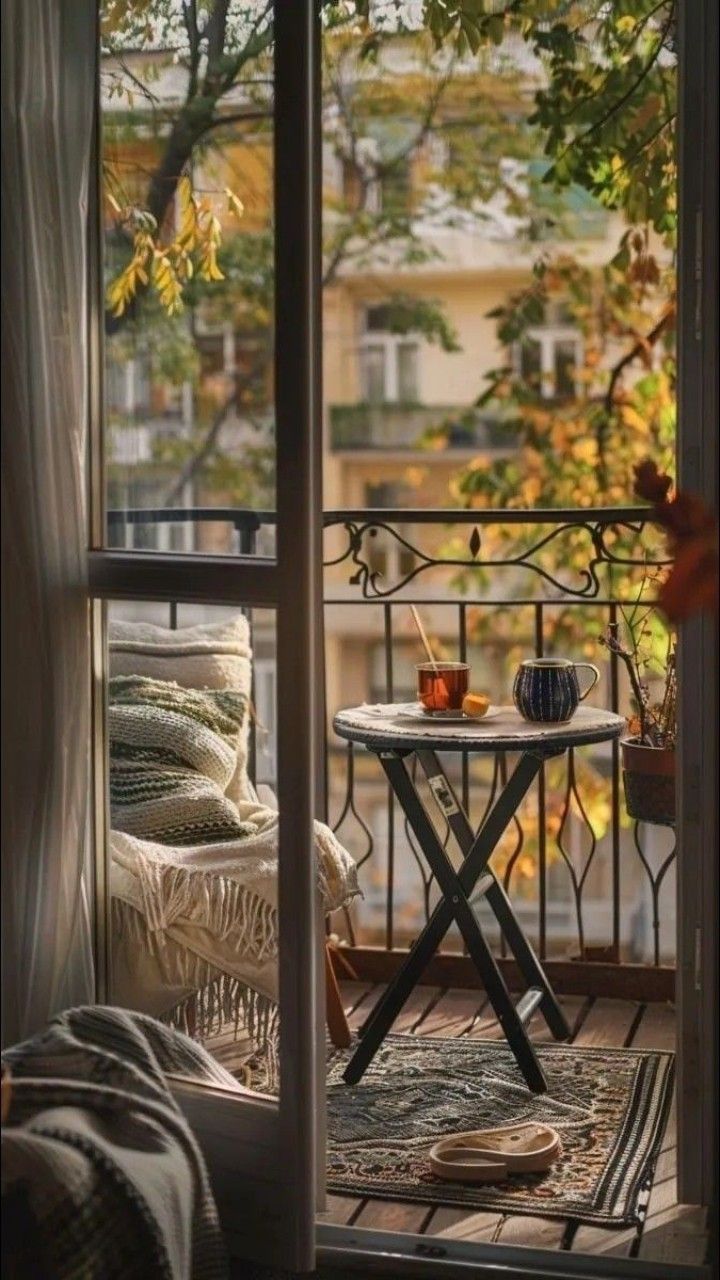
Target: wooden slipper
x,y
491,1155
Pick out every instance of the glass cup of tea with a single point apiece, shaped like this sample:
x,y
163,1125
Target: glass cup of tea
x,y
441,686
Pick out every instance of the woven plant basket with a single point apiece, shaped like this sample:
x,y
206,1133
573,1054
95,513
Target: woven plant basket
x,y
649,778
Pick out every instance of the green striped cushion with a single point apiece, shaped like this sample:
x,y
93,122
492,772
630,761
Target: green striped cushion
x,y
213,655
173,752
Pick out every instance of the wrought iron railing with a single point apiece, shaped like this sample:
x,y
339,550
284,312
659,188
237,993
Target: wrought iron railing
x,y
510,583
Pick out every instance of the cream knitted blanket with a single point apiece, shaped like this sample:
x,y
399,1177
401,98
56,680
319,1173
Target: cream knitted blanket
x,y
200,922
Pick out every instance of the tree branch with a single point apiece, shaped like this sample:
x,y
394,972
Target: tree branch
x,y
612,110
206,446
193,37
197,116
641,345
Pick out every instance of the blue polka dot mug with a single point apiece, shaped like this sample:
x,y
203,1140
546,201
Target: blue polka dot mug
x,y
546,690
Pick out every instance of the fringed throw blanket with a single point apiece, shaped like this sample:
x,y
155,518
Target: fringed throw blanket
x,y
195,927
98,1158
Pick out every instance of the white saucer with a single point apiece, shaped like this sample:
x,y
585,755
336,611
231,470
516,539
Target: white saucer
x,y
416,711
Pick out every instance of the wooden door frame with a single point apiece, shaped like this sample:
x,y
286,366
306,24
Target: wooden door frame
x,y
697,830
268,1214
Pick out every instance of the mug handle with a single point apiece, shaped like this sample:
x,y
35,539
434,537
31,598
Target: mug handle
x,y
591,667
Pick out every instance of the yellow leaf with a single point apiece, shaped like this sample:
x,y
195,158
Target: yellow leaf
x,y
235,204
632,418
585,451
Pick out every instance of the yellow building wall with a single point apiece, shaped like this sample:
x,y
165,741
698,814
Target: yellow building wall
x,y
445,379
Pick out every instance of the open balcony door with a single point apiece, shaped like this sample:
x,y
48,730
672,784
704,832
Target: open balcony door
x,y
270,1180
698,834
266,1158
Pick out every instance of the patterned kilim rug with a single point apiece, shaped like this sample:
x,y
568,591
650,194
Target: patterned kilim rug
x,y
609,1106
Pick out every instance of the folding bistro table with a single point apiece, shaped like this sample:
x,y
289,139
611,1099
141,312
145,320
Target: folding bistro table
x,y
393,738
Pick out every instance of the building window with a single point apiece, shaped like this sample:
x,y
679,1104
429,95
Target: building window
x,y
128,387
388,361
404,678
548,356
395,184
386,556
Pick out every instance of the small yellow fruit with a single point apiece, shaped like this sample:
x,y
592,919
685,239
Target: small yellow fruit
x,y
475,704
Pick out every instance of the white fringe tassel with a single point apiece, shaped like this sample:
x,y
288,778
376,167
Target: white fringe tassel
x,y
219,1002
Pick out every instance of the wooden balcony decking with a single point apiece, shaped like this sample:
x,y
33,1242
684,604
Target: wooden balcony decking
x,y
671,1233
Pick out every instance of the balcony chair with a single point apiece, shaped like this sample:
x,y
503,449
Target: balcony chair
x,y
193,847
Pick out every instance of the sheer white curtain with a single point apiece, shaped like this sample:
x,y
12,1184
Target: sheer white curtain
x,y
47,119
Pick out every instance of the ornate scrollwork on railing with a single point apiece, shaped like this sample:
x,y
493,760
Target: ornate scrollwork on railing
x,y
584,585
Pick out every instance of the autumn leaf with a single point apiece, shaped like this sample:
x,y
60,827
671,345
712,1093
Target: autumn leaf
x,y
691,586
649,483
234,203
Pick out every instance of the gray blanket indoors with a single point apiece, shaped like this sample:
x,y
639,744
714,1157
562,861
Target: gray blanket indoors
x,y
101,1174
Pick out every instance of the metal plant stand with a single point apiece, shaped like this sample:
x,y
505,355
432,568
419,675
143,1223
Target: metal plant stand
x,y
393,740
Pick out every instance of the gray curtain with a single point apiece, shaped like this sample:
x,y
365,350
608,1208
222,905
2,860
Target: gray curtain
x,y
48,60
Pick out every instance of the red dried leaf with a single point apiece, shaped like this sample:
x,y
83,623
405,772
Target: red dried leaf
x,y
650,484
687,516
691,587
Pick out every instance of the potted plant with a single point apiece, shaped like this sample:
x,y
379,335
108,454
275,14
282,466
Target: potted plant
x,y
648,753
689,588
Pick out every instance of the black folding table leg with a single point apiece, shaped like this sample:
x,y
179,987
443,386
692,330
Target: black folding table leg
x,y
454,905
527,961
480,953
499,903
426,944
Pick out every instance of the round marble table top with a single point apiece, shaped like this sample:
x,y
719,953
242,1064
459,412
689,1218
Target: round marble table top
x,y
384,726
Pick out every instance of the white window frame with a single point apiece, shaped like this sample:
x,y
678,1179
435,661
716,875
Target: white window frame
x,y
548,338
391,345
129,372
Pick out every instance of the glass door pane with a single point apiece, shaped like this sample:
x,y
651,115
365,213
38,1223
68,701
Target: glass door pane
x,y
524,295
197,400
188,273
193,836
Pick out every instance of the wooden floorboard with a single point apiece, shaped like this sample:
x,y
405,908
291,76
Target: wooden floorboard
x,y
463,1224
392,1215
672,1232
534,1233
574,1008
340,1210
607,1024
357,1001
453,1014
419,1006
